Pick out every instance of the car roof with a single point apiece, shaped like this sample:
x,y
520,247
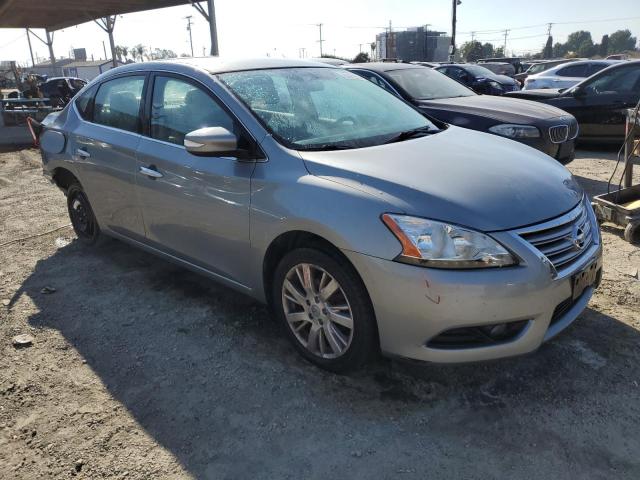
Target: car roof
x,y
215,65
383,66
51,79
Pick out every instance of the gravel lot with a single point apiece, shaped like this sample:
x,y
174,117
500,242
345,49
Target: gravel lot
x,y
140,369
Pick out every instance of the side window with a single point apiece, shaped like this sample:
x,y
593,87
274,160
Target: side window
x,y
84,103
117,103
373,78
621,80
573,71
595,68
180,107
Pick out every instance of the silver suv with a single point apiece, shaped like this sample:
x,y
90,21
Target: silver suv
x,y
365,225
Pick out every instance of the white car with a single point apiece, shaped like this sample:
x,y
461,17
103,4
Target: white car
x,y
566,75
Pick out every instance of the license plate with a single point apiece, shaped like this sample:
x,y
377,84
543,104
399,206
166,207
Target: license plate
x,y
584,279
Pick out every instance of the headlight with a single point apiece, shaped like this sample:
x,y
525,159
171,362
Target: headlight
x,y
495,85
441,245
515,131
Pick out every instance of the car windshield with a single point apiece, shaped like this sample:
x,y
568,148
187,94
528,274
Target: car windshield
x,y
428,84
312,108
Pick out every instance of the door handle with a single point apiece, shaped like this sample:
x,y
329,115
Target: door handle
x,y
82,153
150,172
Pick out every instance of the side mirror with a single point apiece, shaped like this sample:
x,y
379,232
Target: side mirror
x,y
211,140
579,92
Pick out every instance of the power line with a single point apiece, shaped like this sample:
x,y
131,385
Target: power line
x,y
480,32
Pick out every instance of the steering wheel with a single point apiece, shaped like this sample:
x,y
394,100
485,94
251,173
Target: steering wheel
x,y
346,119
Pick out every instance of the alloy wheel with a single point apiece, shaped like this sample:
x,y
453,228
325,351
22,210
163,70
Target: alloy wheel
x,y
317,310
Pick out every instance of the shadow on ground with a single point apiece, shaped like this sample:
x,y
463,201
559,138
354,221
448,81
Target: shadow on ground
x,y
209,376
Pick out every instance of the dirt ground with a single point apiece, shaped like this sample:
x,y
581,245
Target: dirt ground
x,y
142,370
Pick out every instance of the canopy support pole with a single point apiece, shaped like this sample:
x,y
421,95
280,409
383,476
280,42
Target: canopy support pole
x,y
49,43
210,17
108,24
33,63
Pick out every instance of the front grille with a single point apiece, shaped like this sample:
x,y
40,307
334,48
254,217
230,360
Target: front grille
x,y
559,133
563,240
573,130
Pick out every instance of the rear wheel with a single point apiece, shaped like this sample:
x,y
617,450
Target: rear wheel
x,y
632,233
325,310
81,214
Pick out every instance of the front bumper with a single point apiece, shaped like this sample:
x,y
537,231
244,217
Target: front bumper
x,y
563,152
414,305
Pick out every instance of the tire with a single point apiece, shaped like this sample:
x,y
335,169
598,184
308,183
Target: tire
x,y
632,233
327,311
81,214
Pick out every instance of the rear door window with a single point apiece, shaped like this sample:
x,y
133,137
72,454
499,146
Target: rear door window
x,y
117,103
595,68
84,103
573,71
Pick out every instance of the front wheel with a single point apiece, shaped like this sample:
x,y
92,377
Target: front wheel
x,y
325,310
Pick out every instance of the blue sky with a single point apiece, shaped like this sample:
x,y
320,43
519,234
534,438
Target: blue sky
x,y
283,27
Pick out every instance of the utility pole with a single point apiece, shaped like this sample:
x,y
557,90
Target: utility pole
x,y
388,42
473,37
504,49
426,41
104,49
319,25
188,19
452,47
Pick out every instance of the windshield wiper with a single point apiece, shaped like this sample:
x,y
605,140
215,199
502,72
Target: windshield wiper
x,y
414,132
325,147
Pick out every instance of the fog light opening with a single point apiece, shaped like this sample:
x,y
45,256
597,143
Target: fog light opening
x,y
485,335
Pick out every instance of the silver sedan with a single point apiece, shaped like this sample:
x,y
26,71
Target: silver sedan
x,y
365,225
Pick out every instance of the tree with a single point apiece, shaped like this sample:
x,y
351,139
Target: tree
x,y
620,41
487,50
471,51
559,50
362,57
162,53
499,52
580,43
547,52
139,52
604,46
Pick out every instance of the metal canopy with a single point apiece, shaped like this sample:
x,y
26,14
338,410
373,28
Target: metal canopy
x,y
57,14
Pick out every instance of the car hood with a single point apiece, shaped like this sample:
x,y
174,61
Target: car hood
x,y
540,93
459,176
503,79
500,108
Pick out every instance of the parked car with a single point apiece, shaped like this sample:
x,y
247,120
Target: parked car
x,y
599,103
539,67
479,79
566,75
515,61
548,129
426,64
363,224
500,68
61,89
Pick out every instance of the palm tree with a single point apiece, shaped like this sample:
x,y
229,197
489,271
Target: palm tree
x,y
140,51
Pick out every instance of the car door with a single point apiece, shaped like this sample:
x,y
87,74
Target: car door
x,y
194,207
104,144
601,103
568,76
